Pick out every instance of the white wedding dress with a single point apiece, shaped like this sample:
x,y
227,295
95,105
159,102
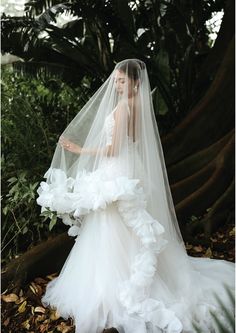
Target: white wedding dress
x,y
115,273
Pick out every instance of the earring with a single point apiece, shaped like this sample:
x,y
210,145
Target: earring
x,y
135,88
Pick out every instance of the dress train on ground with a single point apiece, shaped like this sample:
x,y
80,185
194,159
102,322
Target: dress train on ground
x,y
115,273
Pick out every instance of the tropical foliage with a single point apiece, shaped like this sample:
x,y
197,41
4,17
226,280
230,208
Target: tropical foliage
x,y
34,112
171,37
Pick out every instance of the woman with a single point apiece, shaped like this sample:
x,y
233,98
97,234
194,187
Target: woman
x,y
128,268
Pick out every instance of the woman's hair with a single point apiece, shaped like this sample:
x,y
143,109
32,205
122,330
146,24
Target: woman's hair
x,y
132,68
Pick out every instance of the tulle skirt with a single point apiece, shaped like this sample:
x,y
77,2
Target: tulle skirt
x,y
89,286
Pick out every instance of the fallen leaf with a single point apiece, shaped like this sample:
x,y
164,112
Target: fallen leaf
x,y
26,324
20,300
40,318
208,253
63,328
40,290
10,298
22,307
43,328
198,248
32,310
6,322
39,309
51,276
54,315
34,288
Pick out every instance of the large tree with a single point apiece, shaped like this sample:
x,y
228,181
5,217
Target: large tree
x,y
193,89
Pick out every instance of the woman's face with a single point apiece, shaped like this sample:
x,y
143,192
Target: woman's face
x,y
122,81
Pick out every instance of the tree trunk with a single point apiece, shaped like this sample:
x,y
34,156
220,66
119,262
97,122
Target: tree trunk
x,y
199,152
211,119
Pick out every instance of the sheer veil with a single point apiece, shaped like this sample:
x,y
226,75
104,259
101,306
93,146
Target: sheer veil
x,y
132,113
116,126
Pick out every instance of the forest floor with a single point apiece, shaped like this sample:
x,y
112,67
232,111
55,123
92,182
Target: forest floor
x,y
25,313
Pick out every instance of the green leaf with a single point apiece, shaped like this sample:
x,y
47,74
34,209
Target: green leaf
x,y
52,222
12,180
25,229
5,210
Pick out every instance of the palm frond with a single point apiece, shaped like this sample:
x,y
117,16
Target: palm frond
x,y
46,70
50,14
226,311
36,7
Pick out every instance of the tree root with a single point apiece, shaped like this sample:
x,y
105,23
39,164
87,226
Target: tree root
x,y
43,259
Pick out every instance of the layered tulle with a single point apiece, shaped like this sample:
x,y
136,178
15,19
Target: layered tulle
x,y
114,275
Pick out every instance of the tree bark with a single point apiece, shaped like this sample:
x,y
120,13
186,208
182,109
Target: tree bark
x,y
216,55
217,176
216,215
199,152
210,119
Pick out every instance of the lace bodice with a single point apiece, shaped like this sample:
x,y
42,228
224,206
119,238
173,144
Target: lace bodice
x,y
116,166
109,126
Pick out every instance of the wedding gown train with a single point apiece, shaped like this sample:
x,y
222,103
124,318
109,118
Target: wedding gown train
x,y
101,258
116,273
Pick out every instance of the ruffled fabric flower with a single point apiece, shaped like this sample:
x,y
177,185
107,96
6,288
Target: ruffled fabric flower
x,y
54,194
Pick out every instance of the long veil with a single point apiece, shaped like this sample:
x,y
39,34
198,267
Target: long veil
x,y
132,112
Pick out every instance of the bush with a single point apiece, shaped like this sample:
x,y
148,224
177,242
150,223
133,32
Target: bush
x,y
34,113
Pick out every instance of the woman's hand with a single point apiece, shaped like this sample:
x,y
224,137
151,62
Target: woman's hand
x,y
69,145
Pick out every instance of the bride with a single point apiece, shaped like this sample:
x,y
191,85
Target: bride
x,y
128,268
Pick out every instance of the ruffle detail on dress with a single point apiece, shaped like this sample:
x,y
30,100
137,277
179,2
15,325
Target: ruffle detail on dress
x,y
134,293
71,198
91,191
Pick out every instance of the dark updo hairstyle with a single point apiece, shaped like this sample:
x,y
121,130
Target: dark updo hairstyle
x,y
131,67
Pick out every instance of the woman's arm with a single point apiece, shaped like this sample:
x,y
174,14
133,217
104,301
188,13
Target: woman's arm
x,y
76,149
110,150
